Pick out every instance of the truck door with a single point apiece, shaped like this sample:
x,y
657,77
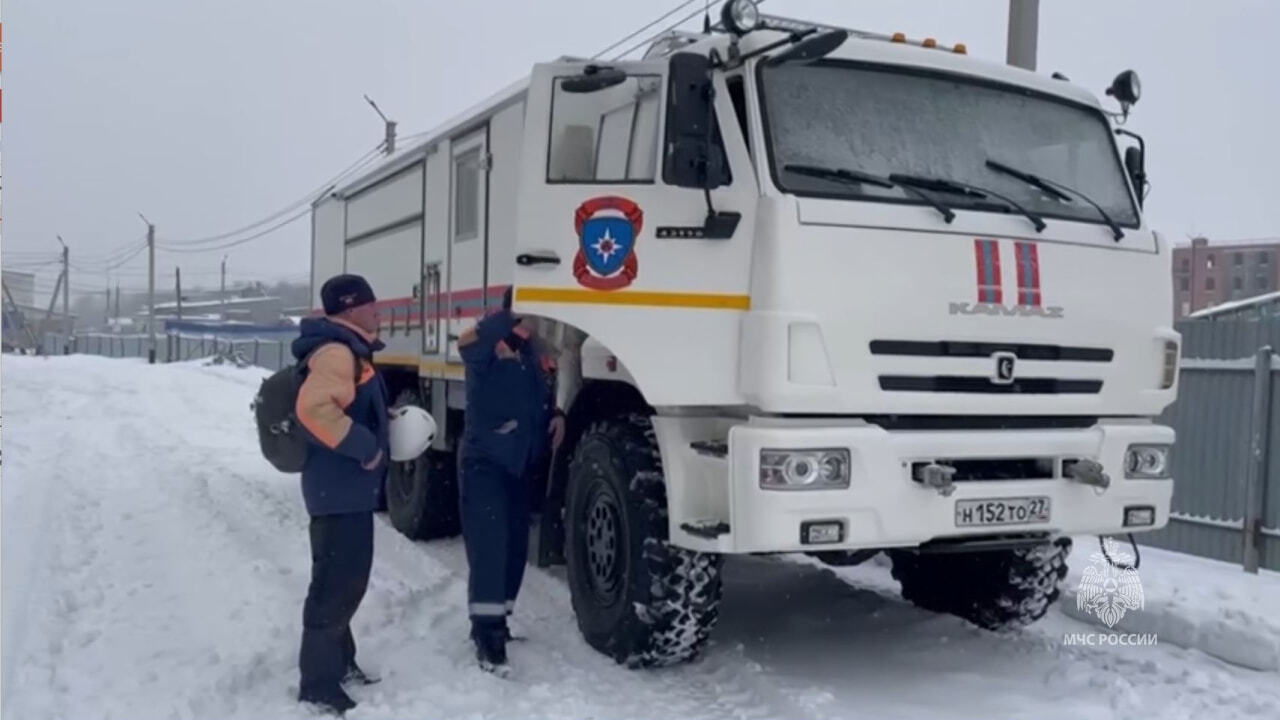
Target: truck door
x,y
468,233
604,242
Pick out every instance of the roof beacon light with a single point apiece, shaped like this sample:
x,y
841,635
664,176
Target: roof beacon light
x,y
898,37
960,49
929,43
740,16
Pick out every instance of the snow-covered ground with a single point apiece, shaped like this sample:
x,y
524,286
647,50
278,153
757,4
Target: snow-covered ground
x,y
154,567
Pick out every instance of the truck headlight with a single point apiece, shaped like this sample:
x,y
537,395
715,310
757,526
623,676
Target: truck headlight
x,y
1147,462
822,469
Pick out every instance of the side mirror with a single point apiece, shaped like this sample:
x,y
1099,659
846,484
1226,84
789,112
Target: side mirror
x,y
814,47
593,79
692,160
1135,164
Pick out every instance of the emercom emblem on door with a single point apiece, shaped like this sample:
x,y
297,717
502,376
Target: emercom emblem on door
x,y
1004,370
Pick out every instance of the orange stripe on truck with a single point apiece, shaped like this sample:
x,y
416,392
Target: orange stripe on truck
x,y
687,300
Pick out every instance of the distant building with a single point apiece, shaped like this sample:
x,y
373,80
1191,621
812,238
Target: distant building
x,y
1207,275
263,311
23,320
22,285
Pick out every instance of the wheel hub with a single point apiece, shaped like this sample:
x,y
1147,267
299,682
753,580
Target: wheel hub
x,y
603,545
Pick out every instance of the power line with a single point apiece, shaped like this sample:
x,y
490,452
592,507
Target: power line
x,y
30,265
241,241
666,30
664,16
113,261
359,164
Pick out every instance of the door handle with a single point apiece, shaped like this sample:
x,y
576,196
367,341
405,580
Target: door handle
x,y
527,259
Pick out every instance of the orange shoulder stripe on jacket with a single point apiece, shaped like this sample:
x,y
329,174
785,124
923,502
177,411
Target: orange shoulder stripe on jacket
x,y
327,391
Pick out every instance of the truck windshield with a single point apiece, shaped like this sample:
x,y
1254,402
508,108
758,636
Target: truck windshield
x,y
892,121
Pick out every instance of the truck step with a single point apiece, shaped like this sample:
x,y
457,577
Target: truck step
x,y
711,448
709,529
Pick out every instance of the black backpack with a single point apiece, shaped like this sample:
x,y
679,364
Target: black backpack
x,y
282,440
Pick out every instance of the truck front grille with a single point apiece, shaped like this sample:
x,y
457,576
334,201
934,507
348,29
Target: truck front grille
x,y
969,384
959,348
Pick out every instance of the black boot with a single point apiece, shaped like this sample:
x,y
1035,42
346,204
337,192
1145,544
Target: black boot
x,y
333,701
491,650
356,676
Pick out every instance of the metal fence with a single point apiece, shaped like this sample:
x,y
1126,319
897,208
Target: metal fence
x,y
272,354
1226,464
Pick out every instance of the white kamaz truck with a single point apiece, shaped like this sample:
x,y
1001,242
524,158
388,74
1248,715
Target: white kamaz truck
x,y
813,290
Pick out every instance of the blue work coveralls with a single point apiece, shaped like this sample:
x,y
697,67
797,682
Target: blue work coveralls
x,y
509,409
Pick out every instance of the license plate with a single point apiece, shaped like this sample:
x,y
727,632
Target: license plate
x,y
1002,511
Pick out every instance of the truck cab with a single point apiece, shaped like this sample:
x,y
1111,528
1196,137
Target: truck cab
x,y
873,294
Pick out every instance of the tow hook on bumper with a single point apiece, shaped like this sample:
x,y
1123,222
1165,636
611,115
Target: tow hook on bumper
x,y
1088,472
937,476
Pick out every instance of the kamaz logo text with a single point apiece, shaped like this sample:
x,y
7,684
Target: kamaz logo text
x,y
964,308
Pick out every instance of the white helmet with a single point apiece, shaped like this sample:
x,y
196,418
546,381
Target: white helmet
x,y
412,430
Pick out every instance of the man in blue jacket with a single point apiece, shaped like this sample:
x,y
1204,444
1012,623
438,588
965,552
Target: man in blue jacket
x,y
510,417
342,404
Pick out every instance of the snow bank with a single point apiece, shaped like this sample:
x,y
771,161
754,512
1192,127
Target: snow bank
x,y
1211,606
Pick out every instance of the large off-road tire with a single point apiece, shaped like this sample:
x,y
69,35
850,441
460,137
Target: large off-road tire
x,y
994,589
638,599
422,496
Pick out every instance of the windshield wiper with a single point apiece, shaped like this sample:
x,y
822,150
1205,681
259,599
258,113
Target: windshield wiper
x,y
857,177
968,190
1056,189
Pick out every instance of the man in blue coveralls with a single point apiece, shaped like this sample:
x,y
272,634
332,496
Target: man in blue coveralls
x,y
510,417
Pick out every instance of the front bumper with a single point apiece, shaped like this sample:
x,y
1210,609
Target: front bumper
x,y
884,506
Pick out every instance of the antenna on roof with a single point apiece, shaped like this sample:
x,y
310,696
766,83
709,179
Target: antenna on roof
x,y
389,143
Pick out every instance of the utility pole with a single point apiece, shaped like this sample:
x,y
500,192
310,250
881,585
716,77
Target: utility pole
x,y
222,292
151,288
1024,27
66,296
53,302
177,289
389,142
106,309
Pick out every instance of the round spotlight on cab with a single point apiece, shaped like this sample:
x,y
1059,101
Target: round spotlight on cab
x,y
740,16
1126,88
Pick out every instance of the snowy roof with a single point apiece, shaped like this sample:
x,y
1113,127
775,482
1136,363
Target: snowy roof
x,y
216,303
1232,306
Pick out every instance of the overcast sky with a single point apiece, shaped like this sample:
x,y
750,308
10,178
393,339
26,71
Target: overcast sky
x,y
207,116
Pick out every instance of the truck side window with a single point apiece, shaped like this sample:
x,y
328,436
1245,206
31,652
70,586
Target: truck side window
x,y
466,197
608,136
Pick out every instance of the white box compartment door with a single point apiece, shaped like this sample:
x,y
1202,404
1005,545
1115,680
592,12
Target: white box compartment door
x,y
468,235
